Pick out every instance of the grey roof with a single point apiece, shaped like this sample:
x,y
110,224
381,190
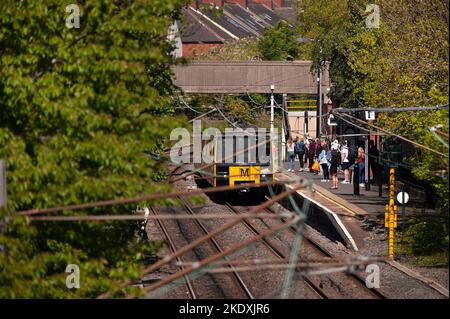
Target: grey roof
x,y
246,18
265,13
197,29
207,27
289,14
230,23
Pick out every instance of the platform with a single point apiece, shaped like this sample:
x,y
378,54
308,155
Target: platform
x,y
345,210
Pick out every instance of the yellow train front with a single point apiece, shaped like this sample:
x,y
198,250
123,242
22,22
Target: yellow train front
x,y
240,157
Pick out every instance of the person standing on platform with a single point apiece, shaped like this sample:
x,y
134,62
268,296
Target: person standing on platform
x,y
324,161
318,151
300,150
335,162
373,160
311,154
291,155
362,168
307,140
345,163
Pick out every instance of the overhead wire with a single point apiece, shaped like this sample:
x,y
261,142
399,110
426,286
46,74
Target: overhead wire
x,y
396,135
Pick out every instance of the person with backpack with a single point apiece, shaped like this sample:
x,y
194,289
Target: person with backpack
x,y
324,161
335,162
300,152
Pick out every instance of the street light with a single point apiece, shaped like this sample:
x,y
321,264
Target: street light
x,y
272,88
319,84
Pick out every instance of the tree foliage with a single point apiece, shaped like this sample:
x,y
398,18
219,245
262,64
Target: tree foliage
x,y
404,62
278,43
80,108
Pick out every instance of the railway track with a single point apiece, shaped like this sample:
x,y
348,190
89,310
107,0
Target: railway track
x,y
357,281
173,248
191,285
311,243
275,251
239,284
235,275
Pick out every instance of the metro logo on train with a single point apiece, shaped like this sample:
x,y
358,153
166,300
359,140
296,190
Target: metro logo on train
x,y
245,172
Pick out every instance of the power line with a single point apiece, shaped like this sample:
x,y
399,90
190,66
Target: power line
x,y
189,107
396,135
392,109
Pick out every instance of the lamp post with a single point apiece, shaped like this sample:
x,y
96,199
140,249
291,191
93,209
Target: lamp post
x,y
272,102
319,84
319,100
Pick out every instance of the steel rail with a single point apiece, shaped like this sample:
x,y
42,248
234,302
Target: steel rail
x,y
238,279
277,253
325,252
216,232
218,256
174,248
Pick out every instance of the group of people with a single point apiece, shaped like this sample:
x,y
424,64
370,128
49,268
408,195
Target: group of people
x,y
328,156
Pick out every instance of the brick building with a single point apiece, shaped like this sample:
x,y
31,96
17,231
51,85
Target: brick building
x,y
201,29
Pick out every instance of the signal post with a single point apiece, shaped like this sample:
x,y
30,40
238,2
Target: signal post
x,y
390,217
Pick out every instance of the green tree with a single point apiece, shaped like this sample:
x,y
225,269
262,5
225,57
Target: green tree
x,y
79,110
278,43
404,62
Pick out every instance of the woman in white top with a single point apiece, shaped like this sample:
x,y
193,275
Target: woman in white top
x,y
291,155
345,163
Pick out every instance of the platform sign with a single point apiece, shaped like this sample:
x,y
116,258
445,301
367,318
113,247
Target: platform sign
x,y
370,115
400,197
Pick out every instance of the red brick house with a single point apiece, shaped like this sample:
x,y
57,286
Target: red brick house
x,y
202,30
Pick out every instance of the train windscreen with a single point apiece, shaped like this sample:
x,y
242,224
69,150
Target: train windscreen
x,y
243,148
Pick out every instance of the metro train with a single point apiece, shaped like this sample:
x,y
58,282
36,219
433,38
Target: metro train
x,y
239,156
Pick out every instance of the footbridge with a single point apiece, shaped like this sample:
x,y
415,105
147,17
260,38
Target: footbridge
x,y
228,77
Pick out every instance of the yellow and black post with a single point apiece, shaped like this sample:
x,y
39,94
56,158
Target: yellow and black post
x,y
390,218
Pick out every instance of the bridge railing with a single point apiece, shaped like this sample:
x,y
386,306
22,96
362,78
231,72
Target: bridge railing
x,y
301,105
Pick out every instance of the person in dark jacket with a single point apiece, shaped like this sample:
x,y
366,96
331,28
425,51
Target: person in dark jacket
x,y
318,151
373,160
312,154
335,162
300,151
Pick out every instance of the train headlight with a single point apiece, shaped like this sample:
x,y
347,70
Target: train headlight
x,y
225,175
263,175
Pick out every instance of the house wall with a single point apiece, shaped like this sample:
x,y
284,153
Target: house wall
x,y
297,123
